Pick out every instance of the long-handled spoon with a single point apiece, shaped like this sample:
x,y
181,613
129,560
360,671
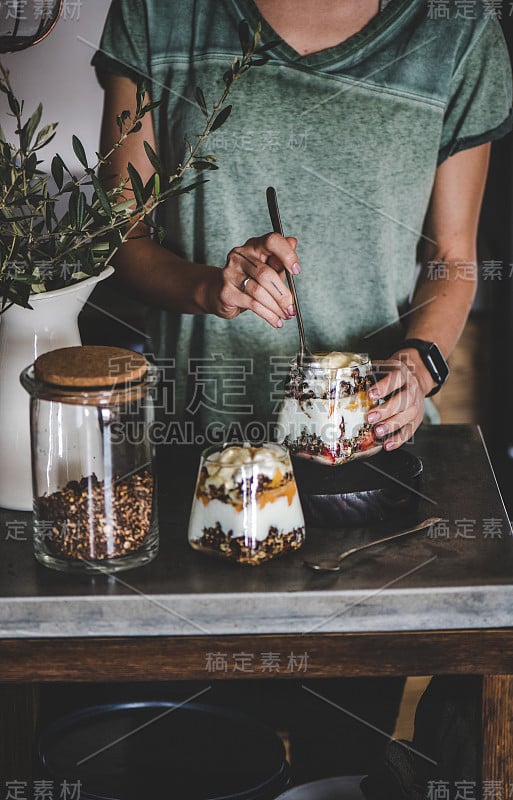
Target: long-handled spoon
x,y
274,213
333,565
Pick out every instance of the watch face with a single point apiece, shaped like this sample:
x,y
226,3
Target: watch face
x,y
436,364
432,366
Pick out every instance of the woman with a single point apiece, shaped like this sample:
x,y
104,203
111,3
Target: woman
x,y
374,125
374,122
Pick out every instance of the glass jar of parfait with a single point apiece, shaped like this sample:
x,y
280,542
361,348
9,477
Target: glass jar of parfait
x,y
92,458
246,506
323,416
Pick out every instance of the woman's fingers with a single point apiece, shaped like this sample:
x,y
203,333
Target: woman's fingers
x,y
265,284
263,262
275,245
272,316
250,295
261,300
400,413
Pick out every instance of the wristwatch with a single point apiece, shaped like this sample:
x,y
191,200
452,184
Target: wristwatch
x,y
432,359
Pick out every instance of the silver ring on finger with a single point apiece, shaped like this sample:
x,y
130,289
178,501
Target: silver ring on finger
x,y
244,283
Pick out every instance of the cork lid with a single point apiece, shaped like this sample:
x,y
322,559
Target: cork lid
x,y
90,366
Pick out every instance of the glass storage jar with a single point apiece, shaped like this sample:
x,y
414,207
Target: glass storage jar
x,y
246,506
323,416
93,471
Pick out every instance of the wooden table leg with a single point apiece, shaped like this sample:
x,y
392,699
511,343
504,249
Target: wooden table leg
x,y
497,719
18,715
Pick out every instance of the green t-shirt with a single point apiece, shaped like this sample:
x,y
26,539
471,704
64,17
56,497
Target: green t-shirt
x,y
350,137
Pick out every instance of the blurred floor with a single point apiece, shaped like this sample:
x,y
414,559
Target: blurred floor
x,y
413,690
472,392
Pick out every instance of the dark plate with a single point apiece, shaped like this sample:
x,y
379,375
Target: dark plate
x,y
130,751
361,492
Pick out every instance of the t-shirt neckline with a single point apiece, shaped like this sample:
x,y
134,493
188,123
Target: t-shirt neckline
x,y
371,33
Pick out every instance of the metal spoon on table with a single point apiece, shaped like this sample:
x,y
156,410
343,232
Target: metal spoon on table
x,y
272,205
333,565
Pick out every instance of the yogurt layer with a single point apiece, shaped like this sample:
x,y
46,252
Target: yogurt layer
x,y
323,415
254,523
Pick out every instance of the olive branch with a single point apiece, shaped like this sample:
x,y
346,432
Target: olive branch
x,y
40,229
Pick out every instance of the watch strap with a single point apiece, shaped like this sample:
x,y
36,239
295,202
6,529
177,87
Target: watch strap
x,y
432,359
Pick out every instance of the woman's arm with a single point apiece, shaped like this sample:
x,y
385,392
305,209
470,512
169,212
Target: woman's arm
x,y
162,278
443,297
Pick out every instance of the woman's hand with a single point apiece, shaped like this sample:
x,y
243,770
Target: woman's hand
x,y
402,385
253,278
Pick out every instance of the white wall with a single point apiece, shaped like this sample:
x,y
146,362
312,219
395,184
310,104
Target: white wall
x,y
57,73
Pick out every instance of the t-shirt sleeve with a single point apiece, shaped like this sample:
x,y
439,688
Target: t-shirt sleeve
x,y
479,109
123,48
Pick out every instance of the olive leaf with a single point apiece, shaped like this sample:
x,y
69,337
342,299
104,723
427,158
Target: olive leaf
x,y
31,165
221,118
137,185
30,127
148,189
49,217
200,99
150,106
101,196
78,147
140,95
57,169
13,104
244,35
259,62
203,164
45,136
267,46
121,119
153,157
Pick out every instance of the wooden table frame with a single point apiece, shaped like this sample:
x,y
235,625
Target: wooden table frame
x,y
488,653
